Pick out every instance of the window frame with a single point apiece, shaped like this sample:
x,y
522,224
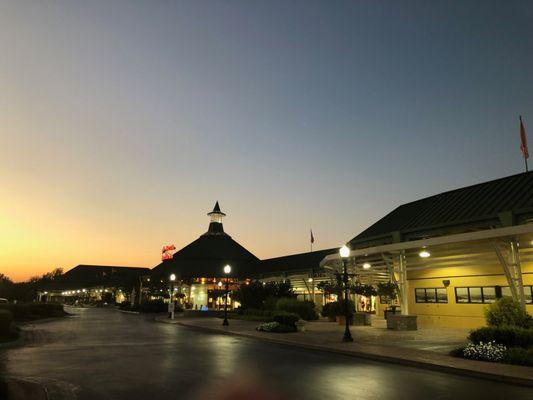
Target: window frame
x,y
526,287
495,288
436,296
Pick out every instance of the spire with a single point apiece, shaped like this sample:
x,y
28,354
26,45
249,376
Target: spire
x,y
216,209
215,225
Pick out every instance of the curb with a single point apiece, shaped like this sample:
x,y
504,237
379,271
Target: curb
x,y
375,357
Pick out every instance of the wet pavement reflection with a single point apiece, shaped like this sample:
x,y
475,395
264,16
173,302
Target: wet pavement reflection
x,y
105,354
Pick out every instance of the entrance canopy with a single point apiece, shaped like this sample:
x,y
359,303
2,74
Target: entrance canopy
x,y
507,249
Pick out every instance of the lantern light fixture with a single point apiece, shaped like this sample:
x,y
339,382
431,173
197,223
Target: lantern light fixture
x,y
344,251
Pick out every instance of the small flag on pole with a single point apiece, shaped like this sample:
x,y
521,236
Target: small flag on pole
x,y
312,237
523,142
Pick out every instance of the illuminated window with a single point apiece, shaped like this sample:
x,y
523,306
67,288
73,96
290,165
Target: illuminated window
x,y
477,294
461,295
431,295
528,293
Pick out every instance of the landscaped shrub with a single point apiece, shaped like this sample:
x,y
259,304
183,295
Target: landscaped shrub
x,y
305,309
519,356
490,351
6,317
255,293
506,311
285,318
25,311
510,336
337,308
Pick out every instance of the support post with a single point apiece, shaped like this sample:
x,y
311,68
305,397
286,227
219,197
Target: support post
x,y
515,262
513,271
402,269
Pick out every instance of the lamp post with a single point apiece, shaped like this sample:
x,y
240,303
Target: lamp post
x,y
345,252
227,270
170,293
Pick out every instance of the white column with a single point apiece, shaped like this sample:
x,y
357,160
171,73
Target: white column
x,y
402,269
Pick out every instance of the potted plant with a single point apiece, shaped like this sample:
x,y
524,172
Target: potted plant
x,y
340,311
388,292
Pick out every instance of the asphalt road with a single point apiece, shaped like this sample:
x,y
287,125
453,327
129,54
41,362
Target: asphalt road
x,y
105,354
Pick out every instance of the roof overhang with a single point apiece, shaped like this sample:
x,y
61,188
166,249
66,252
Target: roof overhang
x,y
488,234
464,251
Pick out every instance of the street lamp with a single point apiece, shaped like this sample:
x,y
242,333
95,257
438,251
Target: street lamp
x,y
227,270
345,253
170,295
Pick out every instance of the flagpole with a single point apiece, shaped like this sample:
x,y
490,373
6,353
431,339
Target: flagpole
x,y
523,142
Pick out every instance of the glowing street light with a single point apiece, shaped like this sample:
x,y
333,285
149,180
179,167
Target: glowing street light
x,y
345,253
170,296
227,270
367,266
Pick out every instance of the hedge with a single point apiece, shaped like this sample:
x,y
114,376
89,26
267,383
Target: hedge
x,y
22,311
519,356
509,336
6,317
305,309
285,318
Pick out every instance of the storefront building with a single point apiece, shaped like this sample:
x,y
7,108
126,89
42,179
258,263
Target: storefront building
x,y
94,284
453,253
202,269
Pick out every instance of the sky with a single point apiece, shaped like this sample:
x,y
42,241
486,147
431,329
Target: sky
x,y
122,122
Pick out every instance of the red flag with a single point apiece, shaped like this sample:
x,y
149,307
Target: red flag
x,y
312,237
523,140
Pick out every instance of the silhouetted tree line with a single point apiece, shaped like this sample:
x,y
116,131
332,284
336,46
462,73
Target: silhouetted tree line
x,y
26,291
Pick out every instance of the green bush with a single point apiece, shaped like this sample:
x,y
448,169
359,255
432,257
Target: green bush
x,y
506,311
285,318
519,356
509,336
6,317
337,308
305,309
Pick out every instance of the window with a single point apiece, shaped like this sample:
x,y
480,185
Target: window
x,y
528,293
461,295
489,294
442,295
431,295
477,294
506,291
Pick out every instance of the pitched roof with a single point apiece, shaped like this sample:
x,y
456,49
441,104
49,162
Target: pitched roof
x,y
98,275
472,207
293,263
207,256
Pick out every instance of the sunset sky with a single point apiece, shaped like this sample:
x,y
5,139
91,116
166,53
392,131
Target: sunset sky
x,y
122,122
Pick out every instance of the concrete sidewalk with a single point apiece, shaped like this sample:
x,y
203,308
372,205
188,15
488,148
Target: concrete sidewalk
x,y
418,348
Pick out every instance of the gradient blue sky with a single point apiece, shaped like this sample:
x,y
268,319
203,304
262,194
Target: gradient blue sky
x,y
123,121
